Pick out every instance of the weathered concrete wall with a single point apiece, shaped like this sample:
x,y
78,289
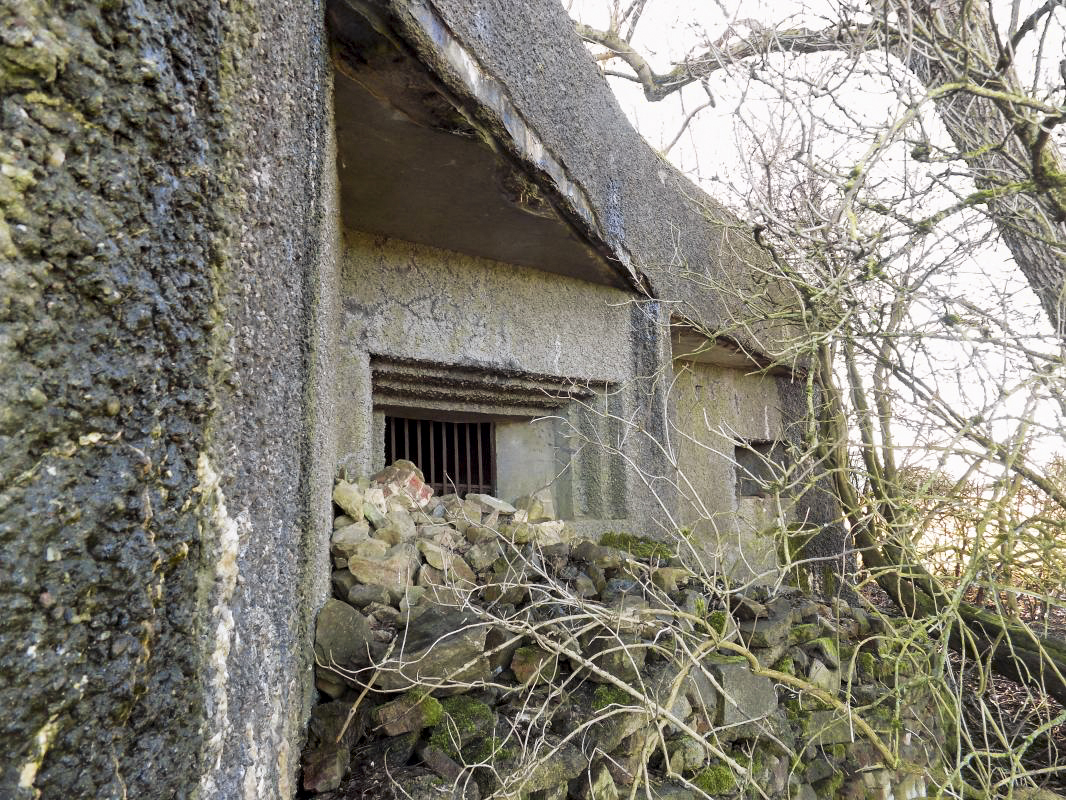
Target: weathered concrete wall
x,y
715,407
166,241
528,456
693,253
413,301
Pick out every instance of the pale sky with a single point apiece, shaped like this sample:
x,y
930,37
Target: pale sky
x,y
716,152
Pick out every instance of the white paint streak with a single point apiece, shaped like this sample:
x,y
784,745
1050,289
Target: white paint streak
x,y
219,528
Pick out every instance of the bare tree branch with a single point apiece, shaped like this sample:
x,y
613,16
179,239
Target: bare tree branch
x,y
987,113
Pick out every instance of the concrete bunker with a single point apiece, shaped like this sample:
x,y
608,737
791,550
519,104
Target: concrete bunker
x,y
731,454
493,223
473,306
484,289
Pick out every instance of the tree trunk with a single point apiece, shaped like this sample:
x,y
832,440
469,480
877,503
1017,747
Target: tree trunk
x,y
1019,170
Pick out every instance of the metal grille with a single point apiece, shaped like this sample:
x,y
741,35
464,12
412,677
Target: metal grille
x,y
457,457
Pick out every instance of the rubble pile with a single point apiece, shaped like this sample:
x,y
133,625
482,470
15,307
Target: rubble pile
x,y
475,648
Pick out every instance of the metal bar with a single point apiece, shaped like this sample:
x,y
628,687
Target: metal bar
x,y
480,465
492,458
418,443
432,471
455,455
469,472
391,455
406,440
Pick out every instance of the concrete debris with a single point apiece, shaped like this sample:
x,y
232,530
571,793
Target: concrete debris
x,y
478,634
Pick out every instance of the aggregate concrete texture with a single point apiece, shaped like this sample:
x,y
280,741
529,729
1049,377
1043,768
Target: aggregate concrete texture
x,y
412,301
528,80
717,407
403,299
168,242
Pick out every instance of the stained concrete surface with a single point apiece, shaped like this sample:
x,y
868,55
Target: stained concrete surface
x,y
717,408
163,289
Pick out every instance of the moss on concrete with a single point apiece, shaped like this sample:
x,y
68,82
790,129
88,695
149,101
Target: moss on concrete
x,y
133,306
638,546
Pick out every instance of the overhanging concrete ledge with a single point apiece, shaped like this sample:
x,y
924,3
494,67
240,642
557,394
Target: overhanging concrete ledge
x,y
524,79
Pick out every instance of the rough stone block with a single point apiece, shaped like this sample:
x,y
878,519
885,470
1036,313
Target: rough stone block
x,y
324,768
482,556
532,665
619,654
767,631
825,648
341,635
403,477
441,644
344,540
828,727
624,763
361,595
374,514
824,678
411,712
394,569
686,754
668,578
596,784
538,507
745,696
343,581
350,498
326,761
440,762
487,503
420,784
398,528
499,637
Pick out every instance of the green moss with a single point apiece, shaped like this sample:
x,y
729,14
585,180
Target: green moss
x,y
717,620
463,720
715,780
432,710
638,546
487,751
867,665
468,714
721,658
797,717
828,648
830,787
605,696
804,633
785,665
